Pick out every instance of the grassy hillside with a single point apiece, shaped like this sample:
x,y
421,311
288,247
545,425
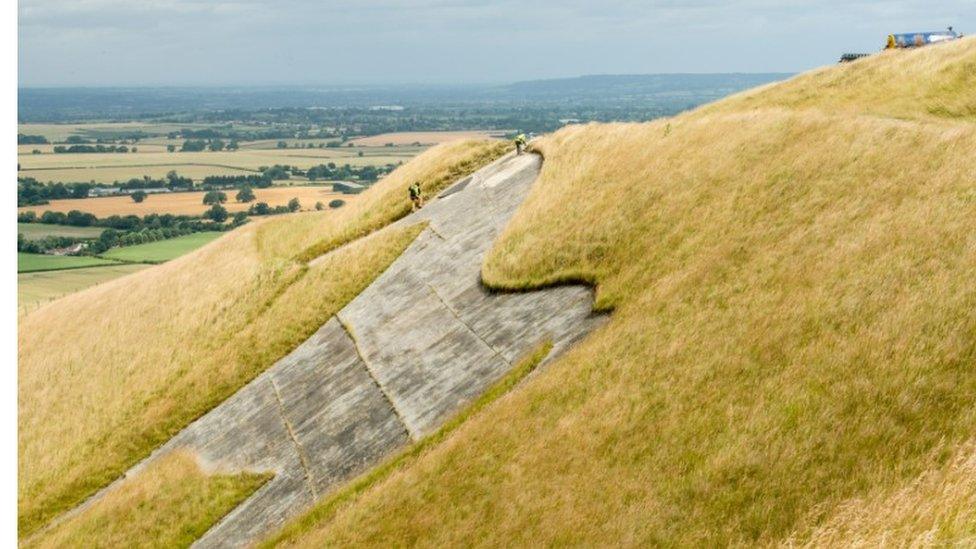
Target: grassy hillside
x,y
111,372
171,504
793,278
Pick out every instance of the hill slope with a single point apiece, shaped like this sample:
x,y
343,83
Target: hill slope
x,y
110,373
793,272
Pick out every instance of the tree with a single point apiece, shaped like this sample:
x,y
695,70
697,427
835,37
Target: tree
x,y
294,205
240,217
170,148
282,145
319,206
193,145
216,145
136,149
138,196
214,197
336,203
217,213
261,208
245,194
277,172
80,219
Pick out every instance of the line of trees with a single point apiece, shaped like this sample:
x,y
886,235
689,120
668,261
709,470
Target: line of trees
x,y
260,181
262,208
44,245
197,145
333,172
25,139
78,218
31,192
93,149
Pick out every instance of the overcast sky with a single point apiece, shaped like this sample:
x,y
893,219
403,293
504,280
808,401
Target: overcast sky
x,y
267,42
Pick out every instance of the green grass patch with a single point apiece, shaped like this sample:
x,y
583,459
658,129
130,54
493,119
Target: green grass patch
x,y
163,250
36,288
37,231
325,510
27,263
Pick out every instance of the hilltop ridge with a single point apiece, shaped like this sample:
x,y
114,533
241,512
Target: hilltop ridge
x,y
790,358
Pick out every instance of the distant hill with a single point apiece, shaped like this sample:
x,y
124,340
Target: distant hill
x,y
615,87
652,91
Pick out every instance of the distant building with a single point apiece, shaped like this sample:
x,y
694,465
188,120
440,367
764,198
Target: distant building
x,y
74,249
103,191
115,191
348,187
148,191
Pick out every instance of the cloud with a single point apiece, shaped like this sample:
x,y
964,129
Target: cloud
x,y
311,41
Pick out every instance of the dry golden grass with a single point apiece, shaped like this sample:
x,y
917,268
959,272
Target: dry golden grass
x,y
189,203
111,372
794,328
940,86
938,509
170,504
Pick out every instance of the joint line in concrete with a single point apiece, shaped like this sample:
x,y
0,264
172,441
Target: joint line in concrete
x,y
294,439
369,371
465,324
430,226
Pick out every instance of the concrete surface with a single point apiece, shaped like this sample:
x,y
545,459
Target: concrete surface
x,y
419,343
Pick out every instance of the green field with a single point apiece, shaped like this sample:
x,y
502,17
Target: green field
x,y
164,250
42,278
39,262
37,231
34,289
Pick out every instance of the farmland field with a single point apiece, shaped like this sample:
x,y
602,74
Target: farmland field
x,y
163,250
34,289
144,147
152,158
40,262
424,138
109,175
112,167
60,132
36,231
190,203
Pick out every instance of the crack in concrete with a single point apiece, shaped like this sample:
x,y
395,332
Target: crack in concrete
x,y
435,231
302,457
466,325
411,434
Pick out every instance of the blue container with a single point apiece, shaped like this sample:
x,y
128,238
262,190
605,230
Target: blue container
x,y
916,39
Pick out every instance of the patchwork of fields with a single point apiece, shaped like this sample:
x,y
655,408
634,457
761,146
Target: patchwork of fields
x,y
424,138
42,278
152,157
